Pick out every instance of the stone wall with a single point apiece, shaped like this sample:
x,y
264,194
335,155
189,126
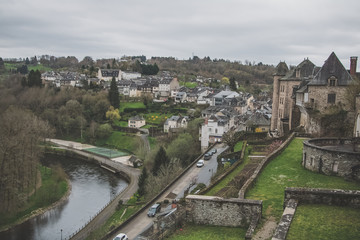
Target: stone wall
x,y
320,96
332,156
337,197
208,210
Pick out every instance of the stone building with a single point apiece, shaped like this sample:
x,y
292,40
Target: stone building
x,y
306,89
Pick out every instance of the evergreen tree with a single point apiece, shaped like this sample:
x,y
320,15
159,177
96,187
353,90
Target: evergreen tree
x,y
2,64
108,66
114,94
232,84
160,159
27,61
142,182
34,79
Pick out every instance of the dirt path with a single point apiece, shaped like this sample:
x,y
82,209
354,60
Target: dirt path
x,y
267,230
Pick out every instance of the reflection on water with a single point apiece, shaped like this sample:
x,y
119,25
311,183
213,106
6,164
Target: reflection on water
x,y
92,188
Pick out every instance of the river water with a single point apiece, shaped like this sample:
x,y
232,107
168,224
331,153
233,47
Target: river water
x,y
92,188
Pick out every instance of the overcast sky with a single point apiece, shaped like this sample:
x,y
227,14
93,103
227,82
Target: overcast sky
x,y
256,30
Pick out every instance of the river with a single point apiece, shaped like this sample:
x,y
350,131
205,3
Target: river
x,y
92,188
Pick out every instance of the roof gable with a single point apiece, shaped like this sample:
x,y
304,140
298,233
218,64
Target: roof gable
x,y
332,67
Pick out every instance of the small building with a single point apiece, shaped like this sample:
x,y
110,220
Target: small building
x,y
136,122
175,122
107,74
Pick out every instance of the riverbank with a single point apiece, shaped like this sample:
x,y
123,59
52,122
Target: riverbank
x,y
36,212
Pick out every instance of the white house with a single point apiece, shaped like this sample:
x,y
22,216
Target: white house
x,y
130,75
175,122
212,130
136,122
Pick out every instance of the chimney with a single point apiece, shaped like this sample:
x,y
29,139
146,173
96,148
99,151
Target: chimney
x,y
353,63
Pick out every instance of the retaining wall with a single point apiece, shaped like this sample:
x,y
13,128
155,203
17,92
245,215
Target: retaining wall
x,y
209,210
262,165
338,197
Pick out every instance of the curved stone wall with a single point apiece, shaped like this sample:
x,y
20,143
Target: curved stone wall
x,y
332,156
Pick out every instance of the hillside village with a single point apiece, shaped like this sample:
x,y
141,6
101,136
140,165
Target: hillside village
x,y
309,100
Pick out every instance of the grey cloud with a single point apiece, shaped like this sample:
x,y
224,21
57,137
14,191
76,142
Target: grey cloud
x,y
259,30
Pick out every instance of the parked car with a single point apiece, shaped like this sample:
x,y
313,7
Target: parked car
x,y
214,151
153,210
121,236
207,156
200,163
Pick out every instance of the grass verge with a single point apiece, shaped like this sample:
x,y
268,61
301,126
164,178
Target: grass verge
x,y
195,232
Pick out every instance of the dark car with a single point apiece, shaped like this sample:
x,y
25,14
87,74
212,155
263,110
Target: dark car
x,y
153,210
207,156
214,151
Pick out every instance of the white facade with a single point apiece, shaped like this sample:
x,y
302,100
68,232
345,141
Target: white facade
x,y
130,75
175,122
136,122
212,132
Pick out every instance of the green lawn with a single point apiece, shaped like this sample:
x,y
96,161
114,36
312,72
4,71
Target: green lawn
x,y
156,118
196,232
238,146
325,222
286,171
189,84
130,105
121,141
121,123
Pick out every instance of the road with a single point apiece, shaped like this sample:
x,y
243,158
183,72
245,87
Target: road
x,y
198,175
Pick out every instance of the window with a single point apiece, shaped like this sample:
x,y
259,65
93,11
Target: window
x,y
282,88
216,131
312,100
312,162
281,100
331,98
332,81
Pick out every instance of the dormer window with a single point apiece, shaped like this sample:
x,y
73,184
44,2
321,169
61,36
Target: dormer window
x,y
332,81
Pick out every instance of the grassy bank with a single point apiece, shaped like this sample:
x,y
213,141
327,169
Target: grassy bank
x,y
121,214
53,188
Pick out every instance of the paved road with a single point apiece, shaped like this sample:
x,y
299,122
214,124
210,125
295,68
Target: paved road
x,y
125,195
194,174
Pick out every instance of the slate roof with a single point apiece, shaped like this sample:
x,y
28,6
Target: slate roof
x,y
281,69
332,67
136,118
306,69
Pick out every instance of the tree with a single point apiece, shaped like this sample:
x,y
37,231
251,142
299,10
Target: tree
x,y
113,114
27,61
23,69
21,132
161,159
114,94
104,131
2,64
182,148
142,182
230,138
34,79
232,84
